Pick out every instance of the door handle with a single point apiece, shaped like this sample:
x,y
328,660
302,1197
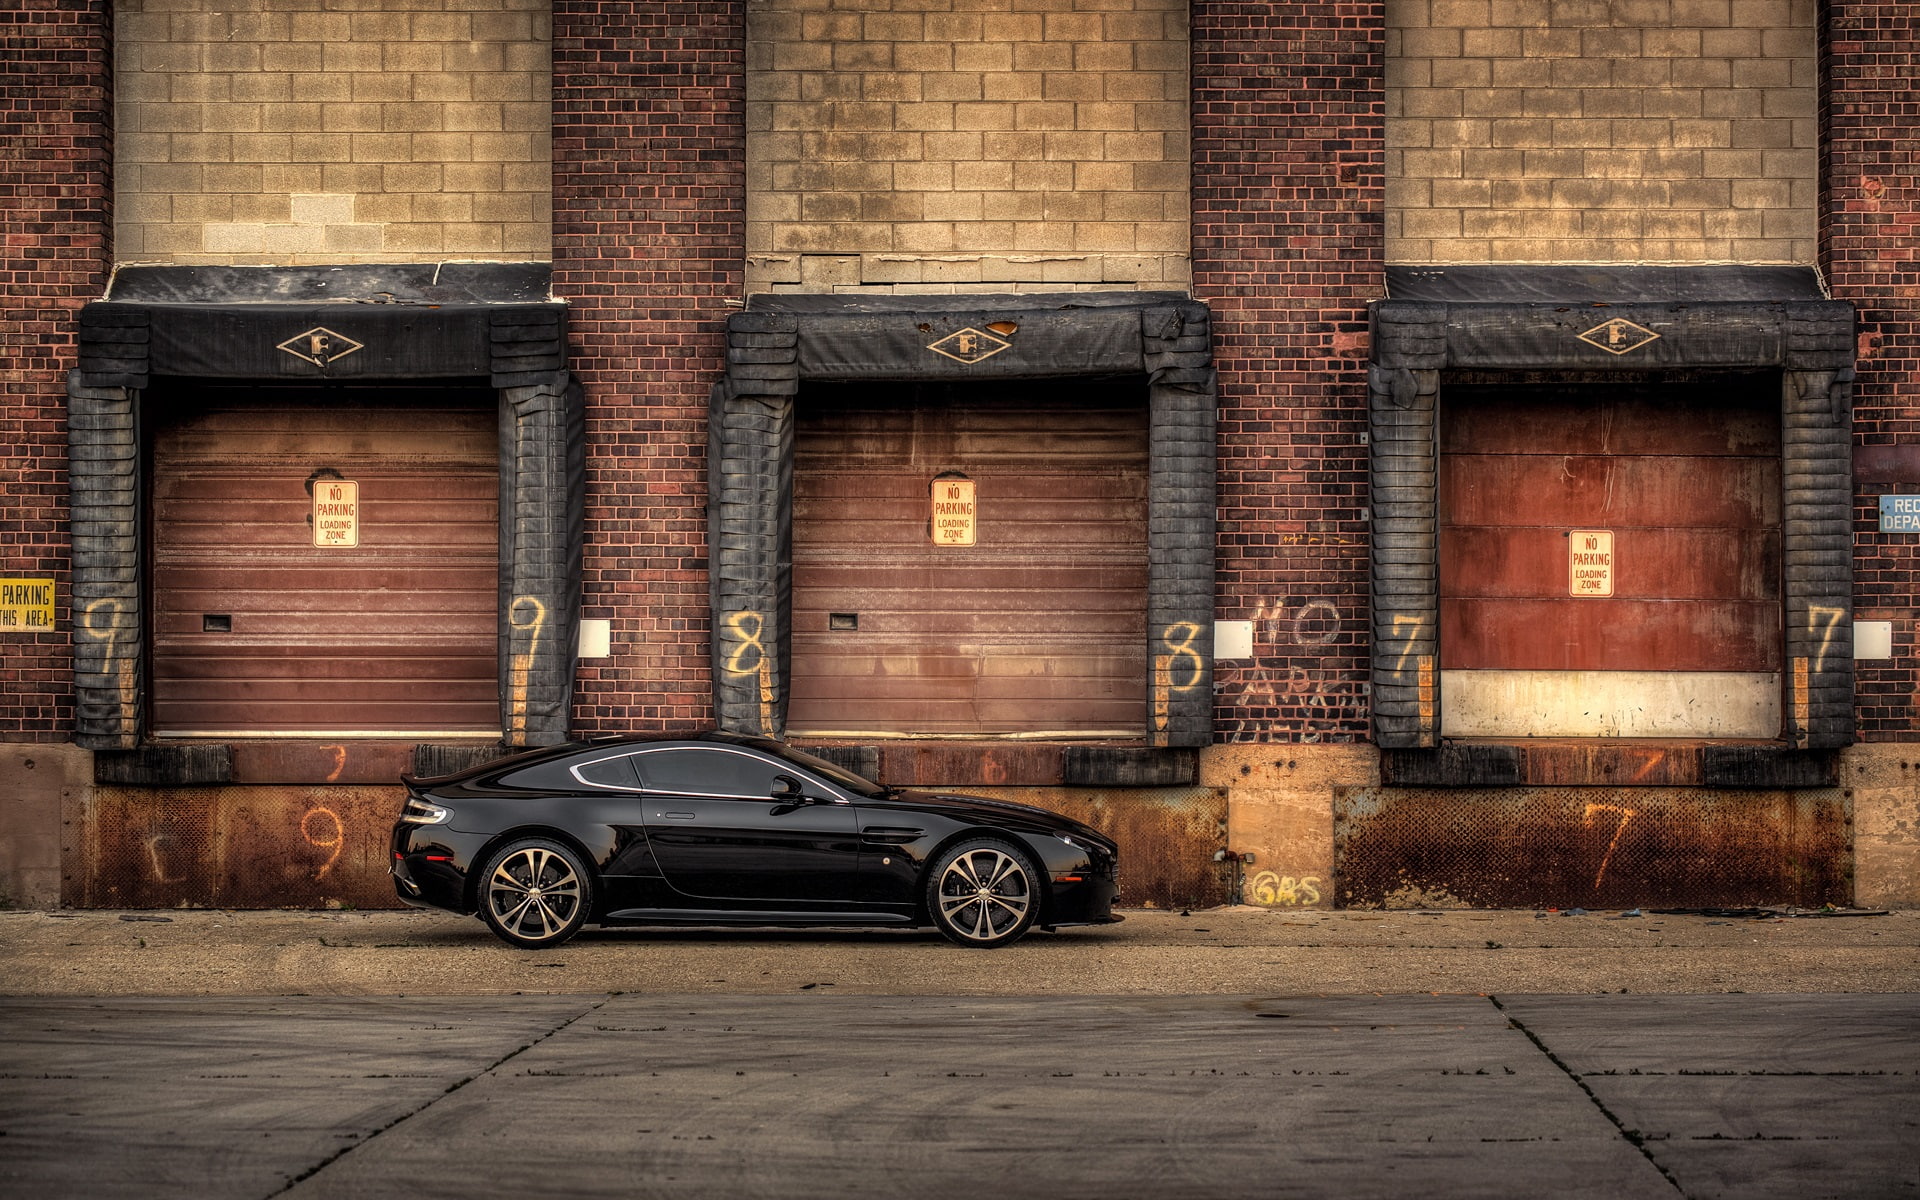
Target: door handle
x,y
675,816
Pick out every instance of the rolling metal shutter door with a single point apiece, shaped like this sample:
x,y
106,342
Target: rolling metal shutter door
x,y
1037,628
1687,480
395,636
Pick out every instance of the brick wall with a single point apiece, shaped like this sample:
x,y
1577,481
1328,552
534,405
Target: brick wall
x,y
1000,146
55,253
1870,252
1601,131
1288,110
649,241
382,131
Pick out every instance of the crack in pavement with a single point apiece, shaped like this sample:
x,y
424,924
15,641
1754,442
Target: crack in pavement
x,y
404,1117
1633,1136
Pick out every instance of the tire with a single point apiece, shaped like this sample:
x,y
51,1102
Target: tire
x,y
983,893
535,893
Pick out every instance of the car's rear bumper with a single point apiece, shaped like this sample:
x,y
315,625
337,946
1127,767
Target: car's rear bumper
x,y
429,865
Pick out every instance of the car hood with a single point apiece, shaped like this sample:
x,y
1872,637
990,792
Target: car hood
x,y
1000,812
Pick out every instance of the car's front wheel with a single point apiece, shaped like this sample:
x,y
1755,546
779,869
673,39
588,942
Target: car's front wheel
x,y
983,893
535,893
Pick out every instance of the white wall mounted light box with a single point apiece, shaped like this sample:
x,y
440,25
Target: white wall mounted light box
x,y
1232,639
1872,639
596,637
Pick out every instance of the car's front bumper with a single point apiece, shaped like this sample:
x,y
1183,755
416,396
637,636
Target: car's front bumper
x,y
1087,902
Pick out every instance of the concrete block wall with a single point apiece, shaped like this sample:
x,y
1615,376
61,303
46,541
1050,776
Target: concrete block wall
x,y
297,131
967,145
1883,785
1591,131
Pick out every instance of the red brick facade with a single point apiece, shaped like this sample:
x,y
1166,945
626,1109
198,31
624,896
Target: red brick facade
x,y
1870,252
649,149
1289,108
56,224
1288,221
649,188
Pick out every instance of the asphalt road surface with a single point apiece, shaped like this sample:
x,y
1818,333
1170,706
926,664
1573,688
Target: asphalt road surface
x,y
1217,1054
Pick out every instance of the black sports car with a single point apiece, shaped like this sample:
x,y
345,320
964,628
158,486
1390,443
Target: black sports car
x,y
716,829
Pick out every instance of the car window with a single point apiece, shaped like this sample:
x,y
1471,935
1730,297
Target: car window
x,y
541,777
609,772
703,772
859,785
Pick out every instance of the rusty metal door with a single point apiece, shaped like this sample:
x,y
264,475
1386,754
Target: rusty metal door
x,y
390,628
1031,621
1611,544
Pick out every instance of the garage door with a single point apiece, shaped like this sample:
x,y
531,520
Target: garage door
x,y
1037,627
1610,559
390,627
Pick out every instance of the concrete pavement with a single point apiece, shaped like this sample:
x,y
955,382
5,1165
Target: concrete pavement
x,y
835,1095
1226,1053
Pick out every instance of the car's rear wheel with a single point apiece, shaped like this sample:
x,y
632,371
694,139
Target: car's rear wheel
x,y
983,893
535,893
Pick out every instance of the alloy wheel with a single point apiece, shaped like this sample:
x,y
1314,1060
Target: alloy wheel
x,y
534,894
985,895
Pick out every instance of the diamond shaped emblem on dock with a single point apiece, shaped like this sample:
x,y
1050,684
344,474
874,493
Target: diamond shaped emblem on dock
x,y
1619,336
969,345
320,346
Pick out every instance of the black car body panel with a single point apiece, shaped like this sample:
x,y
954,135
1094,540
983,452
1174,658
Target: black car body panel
x,y
717,829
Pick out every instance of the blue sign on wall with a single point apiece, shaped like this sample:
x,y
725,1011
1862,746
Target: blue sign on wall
x,y
1900,514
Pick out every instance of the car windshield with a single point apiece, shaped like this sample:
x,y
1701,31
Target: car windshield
x,y
857,784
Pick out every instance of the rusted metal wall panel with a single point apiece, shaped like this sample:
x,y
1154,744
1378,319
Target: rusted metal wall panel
x,y
1167,839
946,764
231,847
1590,847
1638,762
315,847
325,762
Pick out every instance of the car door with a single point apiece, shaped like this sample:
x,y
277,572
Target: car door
x,y
719,833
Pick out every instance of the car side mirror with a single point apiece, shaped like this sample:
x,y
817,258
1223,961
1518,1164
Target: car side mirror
x,y
787,790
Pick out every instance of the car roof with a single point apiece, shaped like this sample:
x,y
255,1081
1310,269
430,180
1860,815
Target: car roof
x,y
522,759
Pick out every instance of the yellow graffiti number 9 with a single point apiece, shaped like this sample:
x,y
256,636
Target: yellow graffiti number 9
x,y
322,829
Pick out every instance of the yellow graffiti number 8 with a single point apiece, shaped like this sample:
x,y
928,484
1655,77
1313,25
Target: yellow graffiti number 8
x,y
1182,656
749,626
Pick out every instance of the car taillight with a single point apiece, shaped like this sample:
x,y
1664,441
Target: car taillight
x,y
421,812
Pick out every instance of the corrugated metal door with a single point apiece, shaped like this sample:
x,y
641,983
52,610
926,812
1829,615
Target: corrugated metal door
x,y
1684,481
1036,628
258,631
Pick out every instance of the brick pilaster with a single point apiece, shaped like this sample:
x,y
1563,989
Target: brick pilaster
x,y
55,254
649,239
1870,252
1288,205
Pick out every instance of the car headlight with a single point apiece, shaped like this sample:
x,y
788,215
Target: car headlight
x,y
420,812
